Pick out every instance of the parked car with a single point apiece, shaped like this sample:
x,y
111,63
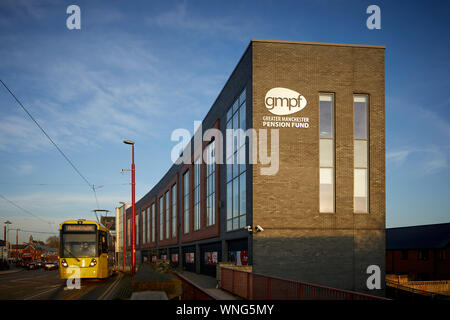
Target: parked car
x,y
4,265
51,265
32,265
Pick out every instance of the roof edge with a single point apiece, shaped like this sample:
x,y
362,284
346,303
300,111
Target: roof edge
x,y
421,225
320,43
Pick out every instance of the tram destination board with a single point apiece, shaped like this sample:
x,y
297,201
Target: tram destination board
x,y
79,228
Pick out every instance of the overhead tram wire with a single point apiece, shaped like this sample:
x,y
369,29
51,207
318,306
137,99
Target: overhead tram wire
x,y
31,231
61,184
24,210
56,146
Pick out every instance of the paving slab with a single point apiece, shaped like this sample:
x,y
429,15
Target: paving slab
x,y
149,295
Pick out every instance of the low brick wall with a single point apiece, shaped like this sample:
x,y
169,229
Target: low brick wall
x,y
229,265
437,286
441,287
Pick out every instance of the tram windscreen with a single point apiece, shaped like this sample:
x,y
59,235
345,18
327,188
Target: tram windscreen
x,y
79,245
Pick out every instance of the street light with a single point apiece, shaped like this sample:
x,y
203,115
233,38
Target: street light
x,y
133,222
124,235
6,237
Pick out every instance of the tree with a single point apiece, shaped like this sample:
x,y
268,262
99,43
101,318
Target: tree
x,y
52,242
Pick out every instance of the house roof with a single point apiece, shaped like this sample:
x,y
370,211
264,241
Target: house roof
x,y
418,237
19,246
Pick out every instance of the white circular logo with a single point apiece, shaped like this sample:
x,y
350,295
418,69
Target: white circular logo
x,y
283,101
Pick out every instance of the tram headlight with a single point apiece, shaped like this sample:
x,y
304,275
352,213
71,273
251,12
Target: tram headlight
x,y
64,263
93,263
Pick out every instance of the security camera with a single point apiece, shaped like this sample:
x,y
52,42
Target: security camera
x,y
249,228
258,228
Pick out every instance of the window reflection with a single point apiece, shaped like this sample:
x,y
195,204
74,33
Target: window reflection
x,y
326,153
236,166
361,154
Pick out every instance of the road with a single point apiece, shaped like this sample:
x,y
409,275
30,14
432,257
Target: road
x,y
46,285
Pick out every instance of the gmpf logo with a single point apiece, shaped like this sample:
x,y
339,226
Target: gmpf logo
x,y
282,101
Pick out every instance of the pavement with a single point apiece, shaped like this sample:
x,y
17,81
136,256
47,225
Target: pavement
x,y
11,270
209,284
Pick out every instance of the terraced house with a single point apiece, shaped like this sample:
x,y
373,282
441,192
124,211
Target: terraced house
x,y
308,202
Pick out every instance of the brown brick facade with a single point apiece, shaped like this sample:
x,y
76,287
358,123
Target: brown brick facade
x,y
299,242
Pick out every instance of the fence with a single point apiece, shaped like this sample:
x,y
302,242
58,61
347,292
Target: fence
x,y
253,286
400,291
193,292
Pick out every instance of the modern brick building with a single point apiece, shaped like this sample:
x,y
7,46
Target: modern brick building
x,y
316,189
420,252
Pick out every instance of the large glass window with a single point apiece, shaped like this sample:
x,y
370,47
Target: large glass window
x,y
210,184
80,245
236,166
361,154
161,218
326,153
186,201
174,211
197,194
167,197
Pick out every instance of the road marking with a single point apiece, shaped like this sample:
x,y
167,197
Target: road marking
x,y
41,293
111,287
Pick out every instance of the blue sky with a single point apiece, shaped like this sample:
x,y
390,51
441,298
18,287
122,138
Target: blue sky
x,y
140,69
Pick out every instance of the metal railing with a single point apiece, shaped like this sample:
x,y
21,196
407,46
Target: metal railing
x,y
253,286
402,291
191,291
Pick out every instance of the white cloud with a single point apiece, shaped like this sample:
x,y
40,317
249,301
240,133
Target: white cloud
x,y
24,169
84,102
398,157
430,159
182,19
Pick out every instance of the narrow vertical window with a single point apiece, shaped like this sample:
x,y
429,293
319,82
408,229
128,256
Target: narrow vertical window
x,y
197,167
210,184
326,153
148,224
174,211
186,201
129,232
144,226
153,222
361,154
137,229
167,197
161,218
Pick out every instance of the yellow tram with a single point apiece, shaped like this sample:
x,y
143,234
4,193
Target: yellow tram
x,y
85,251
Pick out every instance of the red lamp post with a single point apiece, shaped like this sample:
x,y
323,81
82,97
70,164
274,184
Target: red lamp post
x,y
133,218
